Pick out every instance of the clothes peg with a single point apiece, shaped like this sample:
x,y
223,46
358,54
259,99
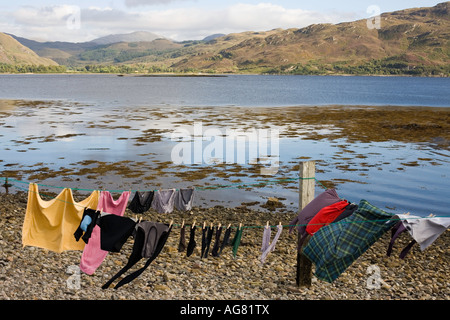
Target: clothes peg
x,y
182,224
267,224
171,221
193,225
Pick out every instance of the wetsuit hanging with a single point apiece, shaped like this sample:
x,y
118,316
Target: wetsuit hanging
x,y
150,238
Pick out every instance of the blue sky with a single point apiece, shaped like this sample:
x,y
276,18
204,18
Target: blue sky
x,y
83,20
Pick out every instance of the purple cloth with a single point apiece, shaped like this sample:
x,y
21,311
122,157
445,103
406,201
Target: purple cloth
x,y
326,198
395,232
270,247
266,238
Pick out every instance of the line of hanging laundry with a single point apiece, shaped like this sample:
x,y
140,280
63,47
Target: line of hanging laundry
x,y
211,187
340,231
97,226
162,200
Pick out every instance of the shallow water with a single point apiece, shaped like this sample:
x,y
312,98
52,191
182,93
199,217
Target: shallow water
x,y
81,145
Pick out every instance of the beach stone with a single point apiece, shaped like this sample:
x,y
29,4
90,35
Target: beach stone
x,y
171,249
168,277
161,287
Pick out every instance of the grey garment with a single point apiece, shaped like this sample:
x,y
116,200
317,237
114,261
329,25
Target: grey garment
x,y
164,200
141,201
271,247
152,231
425,230
184,199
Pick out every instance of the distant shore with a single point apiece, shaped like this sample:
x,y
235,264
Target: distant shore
x,y
219,74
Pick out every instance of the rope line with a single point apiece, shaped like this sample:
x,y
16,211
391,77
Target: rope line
x,y
255,226
229,186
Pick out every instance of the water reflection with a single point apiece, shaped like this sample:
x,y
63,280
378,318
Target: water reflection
x,y
395,166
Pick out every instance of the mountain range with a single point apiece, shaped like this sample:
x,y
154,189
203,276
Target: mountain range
x,y
411,41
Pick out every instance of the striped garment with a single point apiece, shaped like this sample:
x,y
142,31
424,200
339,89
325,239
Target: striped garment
x,y
336,246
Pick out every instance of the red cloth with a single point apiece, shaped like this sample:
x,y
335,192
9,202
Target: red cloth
x,y
325,216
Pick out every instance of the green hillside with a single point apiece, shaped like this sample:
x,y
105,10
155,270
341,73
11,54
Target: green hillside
x,y
413,41
14,53
126,51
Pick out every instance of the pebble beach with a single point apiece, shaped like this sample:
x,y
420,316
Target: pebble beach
x,y
32,273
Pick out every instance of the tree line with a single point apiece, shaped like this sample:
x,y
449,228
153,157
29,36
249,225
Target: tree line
x,y
10,68
374,67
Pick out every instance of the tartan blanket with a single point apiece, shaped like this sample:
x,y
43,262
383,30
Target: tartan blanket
x,y
336,246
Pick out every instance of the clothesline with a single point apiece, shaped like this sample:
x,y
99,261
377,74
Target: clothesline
x,y
240,226
234,185
226,186
346,229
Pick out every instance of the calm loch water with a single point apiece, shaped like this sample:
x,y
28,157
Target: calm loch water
x,y
235,90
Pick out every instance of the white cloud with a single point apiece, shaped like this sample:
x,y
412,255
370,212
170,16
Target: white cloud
x,y
45,16
264,16
53,22
135,3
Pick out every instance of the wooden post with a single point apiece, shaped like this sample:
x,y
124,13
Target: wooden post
x,y
306,195
6,185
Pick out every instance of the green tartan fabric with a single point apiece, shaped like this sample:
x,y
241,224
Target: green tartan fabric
x,y
336,246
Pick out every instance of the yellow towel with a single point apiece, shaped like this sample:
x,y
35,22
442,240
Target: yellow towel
x,y
51,224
